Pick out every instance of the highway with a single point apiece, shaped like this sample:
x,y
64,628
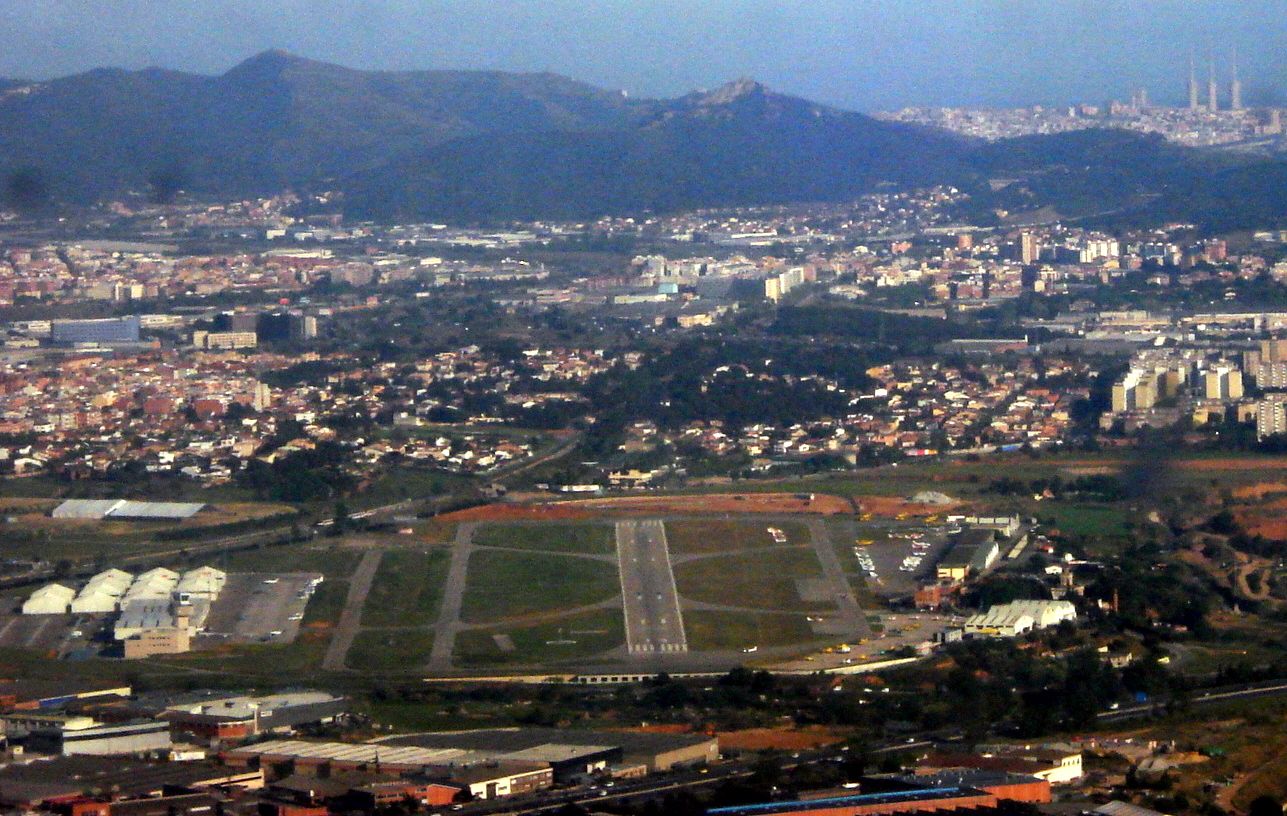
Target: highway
x,y
654,623
1251,691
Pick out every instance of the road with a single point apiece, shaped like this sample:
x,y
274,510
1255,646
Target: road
x,y
453,598
351,617
1199,698
849,614
654,622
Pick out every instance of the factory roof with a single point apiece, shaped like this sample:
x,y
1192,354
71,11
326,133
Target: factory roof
x,y
125,509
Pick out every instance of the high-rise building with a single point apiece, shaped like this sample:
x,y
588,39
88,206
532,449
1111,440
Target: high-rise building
x,y
1193,84
233,321
1271,416
1235,86
1271,376
1223,382
302,326
1213,90
1273,350
261,397
1029,248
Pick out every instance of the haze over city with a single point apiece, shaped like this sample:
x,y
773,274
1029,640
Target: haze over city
x,y
861,56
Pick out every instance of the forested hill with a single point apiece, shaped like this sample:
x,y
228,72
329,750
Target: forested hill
x,y
471,146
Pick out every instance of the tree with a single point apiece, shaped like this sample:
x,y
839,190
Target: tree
x,y
1265,806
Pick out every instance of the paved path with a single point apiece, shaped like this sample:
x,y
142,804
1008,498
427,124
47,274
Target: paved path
x,y
350,618
654,622
848,612
453,598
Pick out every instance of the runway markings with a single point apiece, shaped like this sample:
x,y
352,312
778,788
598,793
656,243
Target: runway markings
x,y
654,622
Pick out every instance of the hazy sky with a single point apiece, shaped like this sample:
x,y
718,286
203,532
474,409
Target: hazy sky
x,y
859,54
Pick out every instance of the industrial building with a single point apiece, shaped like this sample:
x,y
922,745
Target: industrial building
x,y
224,340
29,786
884,803
98,509
1017,617
160,611
72,734
974,552
32,695
1012,787
205,582
103,593
490,762
237,717
51,599
1050,764
103,331
659,752
155,584
486,777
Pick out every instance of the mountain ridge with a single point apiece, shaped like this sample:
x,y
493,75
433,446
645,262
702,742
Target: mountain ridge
x,y
487,146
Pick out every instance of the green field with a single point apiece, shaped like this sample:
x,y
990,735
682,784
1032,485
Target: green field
x,y
327,603
763,580
401,483
390,650
329,559
736,630
595,539
1085,519
570,638
407,590
505,585
699,537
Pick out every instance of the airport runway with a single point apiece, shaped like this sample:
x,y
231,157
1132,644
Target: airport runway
x,y
654,622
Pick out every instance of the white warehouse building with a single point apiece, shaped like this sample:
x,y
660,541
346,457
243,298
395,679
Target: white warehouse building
x,y
1017,617
154,584
50,599
202,582
103,593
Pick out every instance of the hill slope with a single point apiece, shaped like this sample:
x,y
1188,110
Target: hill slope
x,y
272,121
488,146
739,145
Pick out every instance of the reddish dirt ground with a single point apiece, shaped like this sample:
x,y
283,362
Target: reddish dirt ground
x,y
891,506
1259,490
1268,519
718,503
1235,463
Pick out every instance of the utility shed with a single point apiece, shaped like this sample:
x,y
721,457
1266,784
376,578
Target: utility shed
x,y
50,599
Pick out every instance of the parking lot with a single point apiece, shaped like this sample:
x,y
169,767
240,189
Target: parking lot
x,y
259,608
896,559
